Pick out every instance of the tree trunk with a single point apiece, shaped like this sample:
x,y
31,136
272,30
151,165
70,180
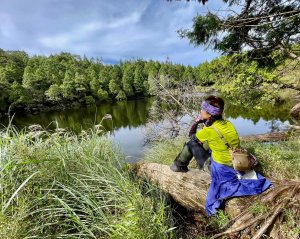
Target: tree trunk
x,y
276,136
295,111
190,189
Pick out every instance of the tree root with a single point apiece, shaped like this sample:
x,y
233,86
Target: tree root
x,y
270,220
283,197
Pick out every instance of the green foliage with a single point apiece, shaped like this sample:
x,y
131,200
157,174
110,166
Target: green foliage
x,y
205,30
105,77
114,88
242,80
89,100
128,79
152,69
68,86
116,80
102,95
54,93
121,95
258,208
12,64
139,78
219,220
259,26
204,72
153,83
188,75
19,95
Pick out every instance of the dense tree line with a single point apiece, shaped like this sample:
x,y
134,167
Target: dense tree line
x,y
65,78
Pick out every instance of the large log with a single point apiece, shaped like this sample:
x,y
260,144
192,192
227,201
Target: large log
x,y
275,136
190,189
295,111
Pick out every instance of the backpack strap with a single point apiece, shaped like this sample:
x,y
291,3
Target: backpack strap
x,y
221,136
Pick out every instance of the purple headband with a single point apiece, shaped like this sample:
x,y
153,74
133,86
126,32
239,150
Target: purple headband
x,y
212,110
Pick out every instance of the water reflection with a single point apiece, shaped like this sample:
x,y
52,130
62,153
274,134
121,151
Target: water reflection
x,y
267,112
129,118
124,114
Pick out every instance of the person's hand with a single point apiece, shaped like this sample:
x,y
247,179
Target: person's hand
x,y
198,119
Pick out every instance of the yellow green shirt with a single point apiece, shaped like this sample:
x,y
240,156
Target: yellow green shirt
x,y
220,152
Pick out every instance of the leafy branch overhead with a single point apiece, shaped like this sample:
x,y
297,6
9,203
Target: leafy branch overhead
x,y
259,27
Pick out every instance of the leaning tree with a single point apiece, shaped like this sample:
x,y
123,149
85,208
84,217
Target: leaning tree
x,y
258,26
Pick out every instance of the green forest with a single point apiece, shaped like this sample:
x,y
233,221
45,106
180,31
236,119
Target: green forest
x,y
64,80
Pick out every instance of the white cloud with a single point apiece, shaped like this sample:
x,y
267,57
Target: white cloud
x,y
7,27
111,30
54,42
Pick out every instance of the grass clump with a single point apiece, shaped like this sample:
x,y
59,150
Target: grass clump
x,y
258,208
60,185
165,152
219,220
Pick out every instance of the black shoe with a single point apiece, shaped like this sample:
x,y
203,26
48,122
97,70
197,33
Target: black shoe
x,y
176,168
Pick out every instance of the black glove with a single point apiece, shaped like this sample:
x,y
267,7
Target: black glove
x,y
194,127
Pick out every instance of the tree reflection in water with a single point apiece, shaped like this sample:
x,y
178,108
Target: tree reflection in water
x,y
130,118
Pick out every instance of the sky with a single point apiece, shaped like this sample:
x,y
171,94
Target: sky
x,y
110,30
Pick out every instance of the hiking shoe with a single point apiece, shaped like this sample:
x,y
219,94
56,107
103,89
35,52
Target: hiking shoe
x,y
176,168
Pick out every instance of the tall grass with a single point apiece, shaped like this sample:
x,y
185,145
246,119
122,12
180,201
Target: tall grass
x,y
60,185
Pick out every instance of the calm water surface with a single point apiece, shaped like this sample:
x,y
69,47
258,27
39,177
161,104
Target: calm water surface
x,y
129,118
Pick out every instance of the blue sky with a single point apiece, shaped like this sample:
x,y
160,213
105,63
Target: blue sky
x,y
111,30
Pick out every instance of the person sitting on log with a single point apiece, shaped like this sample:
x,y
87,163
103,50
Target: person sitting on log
x,y
206,143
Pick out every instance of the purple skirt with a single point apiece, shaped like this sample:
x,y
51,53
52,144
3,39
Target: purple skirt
x,y
225,184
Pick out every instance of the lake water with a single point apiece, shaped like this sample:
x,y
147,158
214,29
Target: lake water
x,y
128,119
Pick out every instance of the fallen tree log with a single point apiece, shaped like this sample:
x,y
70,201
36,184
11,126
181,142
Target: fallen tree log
x,y
295,111
269,137
189,189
